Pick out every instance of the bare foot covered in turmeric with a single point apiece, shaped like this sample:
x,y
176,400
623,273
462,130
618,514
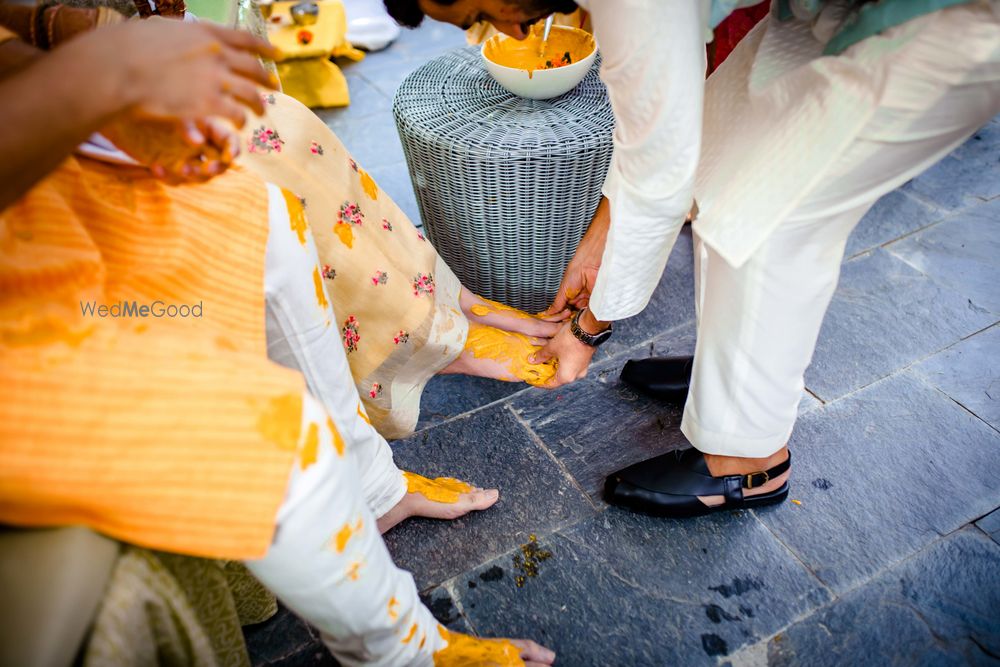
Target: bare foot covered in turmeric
x,y
495,314
502,355
462,650
441,498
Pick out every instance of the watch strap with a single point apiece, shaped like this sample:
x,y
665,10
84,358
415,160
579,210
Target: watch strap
x,y
593,340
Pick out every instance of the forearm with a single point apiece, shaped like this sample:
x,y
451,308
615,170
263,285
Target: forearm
x,y
50,106
654,63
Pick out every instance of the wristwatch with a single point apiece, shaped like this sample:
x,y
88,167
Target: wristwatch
x,y
593,340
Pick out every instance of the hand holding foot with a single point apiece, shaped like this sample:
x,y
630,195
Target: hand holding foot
x,y
500,316
441,498
502,355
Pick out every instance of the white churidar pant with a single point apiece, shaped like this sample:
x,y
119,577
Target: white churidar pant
x,y
758,322
327,562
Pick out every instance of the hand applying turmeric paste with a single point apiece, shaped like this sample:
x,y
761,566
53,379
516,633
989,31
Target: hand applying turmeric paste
x,y
569,350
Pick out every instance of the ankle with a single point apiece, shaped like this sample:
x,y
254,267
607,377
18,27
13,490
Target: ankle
x,y
720,465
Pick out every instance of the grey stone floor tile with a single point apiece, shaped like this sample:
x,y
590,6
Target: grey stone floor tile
x,y
671,305
966,176
372,139
990,524
279,638
447,613
676,342
490,449
962,253
982,146
624,589
884,316
808,403
448,396
315,655
969,372
430,38
366,100
882,473
387,79
937,609
599,425
892,216
394,179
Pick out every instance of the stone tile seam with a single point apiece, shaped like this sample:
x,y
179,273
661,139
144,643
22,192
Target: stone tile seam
x,y
976,199
618,356
599,366
930,385
822,403
903,369
451,584
535,438
451,588
794,555
836,598
983,532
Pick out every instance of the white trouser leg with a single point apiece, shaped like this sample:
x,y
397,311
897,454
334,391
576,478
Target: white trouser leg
x,y
302,334
328,563
758,324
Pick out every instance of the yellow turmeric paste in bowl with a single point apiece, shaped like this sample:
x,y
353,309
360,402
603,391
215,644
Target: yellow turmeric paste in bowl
x,y
525,69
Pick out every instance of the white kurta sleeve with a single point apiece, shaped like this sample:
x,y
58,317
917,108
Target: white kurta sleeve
x,y
654,67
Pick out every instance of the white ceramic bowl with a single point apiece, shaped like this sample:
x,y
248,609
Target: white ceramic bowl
x,y
540,84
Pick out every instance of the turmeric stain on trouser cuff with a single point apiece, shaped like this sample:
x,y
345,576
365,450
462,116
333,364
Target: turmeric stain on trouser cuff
x,y
440,490
511,349
344,535
465,651
280,420
296,215
320,293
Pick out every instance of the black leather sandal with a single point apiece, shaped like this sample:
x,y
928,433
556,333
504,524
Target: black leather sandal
x,y
669,486
665,378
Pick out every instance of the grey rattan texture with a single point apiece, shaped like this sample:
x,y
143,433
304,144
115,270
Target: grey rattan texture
x,y
506,185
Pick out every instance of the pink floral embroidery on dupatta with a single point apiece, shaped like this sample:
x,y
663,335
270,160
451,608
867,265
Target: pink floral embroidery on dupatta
x,y
265,140
351,334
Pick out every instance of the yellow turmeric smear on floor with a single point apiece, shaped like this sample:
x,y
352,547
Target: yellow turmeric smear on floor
x,y
296,215
511,349
440,490
345,534
465,651
368,184
484,309
310,450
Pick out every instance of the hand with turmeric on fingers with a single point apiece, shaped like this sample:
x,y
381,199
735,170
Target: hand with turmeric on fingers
x,y
167,71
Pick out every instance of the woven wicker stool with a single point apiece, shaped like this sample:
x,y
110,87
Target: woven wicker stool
x,y
506,186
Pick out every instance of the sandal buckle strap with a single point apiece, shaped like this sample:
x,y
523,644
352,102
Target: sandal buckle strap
x,y
754,479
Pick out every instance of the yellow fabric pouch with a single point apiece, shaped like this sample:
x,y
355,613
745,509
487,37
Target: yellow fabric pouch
x,y
306,72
